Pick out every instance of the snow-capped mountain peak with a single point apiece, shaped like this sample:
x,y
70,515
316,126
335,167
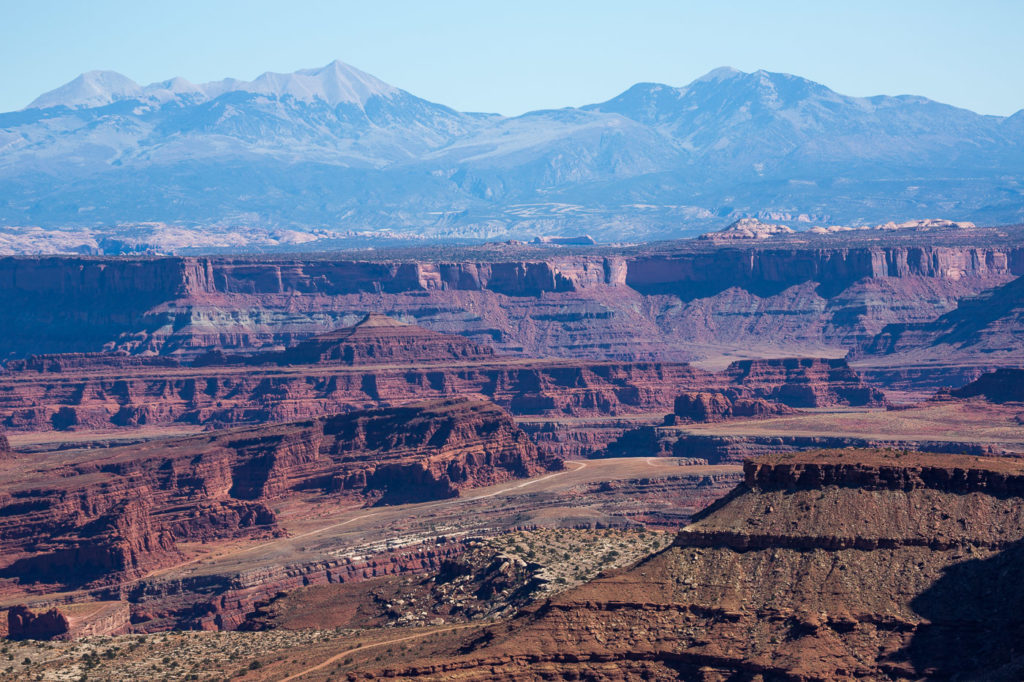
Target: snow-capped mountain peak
x,y
91,89
720,74
336,83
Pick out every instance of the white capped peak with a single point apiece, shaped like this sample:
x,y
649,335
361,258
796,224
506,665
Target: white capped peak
x,y
335,83
91,89
720,74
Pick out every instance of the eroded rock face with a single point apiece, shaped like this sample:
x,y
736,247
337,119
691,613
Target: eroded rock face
x,y
228,395
91,517
826,565
635,304
374,340
22,623
219,395
703,406
711,407
804,382
989,324
748,228
1002,386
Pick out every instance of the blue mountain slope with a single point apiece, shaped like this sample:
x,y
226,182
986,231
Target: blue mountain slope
x,y
336,146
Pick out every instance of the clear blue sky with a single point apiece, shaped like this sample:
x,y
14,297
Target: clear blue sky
x,y
517,55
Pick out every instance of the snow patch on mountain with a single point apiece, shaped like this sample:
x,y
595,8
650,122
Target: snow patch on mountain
x,y
334,84
337,83
91,89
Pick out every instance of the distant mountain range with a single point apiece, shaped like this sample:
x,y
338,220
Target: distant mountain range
x,y
336,148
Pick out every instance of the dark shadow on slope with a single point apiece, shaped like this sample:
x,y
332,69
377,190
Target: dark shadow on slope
x,y
975,615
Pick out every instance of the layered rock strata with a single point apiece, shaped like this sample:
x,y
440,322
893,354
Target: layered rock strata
x,y
228,395
374,340
802,382
82,517
980,335
662,302
826,565
703,406
68,622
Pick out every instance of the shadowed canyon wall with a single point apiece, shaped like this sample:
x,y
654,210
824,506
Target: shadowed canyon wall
x,y
621,305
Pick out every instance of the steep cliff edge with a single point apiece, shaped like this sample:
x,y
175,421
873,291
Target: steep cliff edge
x,y
662,302
86,517
991,323
825,565
228,394
981,334
1002,386
803,382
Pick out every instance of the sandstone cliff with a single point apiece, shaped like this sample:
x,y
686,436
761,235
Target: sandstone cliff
x,y
219,395
991,322
374,340
648,302
87,517
829,565
229,395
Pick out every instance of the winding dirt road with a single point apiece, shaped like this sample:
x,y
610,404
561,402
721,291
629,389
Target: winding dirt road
x,y
361,647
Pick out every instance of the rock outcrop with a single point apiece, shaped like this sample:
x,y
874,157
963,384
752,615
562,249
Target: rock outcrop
x,y
804,382
927,224
22,623
748,228
826,565
1002,386
69,621
87,518
374,340
703,406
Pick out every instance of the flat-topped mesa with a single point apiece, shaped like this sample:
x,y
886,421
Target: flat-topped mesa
x,y
91,517
1002,386
879,566
379,339
886,470
804,382
374,340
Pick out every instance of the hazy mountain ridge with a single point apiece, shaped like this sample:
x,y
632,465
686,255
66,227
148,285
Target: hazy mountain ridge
x,y
337,147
